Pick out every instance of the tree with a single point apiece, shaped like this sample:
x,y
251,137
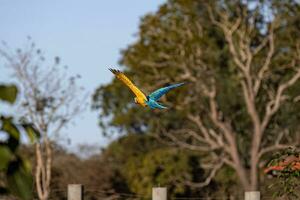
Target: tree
x,y
243,100
50,100
142,162
94,172
15,171
164,167
97,176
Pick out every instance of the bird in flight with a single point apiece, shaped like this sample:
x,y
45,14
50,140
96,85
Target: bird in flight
x,y
140,98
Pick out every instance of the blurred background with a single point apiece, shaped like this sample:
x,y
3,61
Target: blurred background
x,y
234,127
94,33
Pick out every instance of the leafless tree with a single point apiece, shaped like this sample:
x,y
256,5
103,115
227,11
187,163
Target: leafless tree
x,y
50,100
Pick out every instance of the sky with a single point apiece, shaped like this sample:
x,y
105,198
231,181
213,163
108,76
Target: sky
x,y
86,35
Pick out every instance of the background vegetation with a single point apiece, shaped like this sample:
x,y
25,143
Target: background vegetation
x,y
242,105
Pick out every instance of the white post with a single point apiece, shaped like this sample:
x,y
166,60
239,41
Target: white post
x,y
159,193
252,195
75,192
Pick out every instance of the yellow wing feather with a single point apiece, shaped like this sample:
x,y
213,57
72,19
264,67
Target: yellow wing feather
x,y
122,77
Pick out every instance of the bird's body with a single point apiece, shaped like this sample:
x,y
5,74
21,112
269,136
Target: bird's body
x,y
141,98
141,101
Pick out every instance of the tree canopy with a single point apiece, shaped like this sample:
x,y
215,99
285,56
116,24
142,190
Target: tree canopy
x,y
242,62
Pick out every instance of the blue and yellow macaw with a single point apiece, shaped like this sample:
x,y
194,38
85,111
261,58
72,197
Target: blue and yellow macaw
x,y
141,98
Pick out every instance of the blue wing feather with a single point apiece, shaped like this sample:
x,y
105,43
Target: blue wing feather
x,y
155,105
160,92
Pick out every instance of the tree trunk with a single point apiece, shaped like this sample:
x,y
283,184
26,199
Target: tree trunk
x,y
43,169
253,173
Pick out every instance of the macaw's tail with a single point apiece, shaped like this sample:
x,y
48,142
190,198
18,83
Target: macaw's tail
x,y
177,85
155,105
159,106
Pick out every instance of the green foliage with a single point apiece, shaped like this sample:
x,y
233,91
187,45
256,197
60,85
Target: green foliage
x,y
180,43
161,167
120,152
116,101
8,93
180,36
141,162
16,169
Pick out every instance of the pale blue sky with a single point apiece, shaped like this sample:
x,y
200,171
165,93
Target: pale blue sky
x,y
87,35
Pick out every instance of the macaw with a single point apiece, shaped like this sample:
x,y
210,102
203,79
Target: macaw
x,y
140,98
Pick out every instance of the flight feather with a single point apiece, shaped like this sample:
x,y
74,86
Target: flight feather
x,y
160,92
122,77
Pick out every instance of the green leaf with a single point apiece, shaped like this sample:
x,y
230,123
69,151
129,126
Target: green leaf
x,y
18,171
8,93
19,179
32,133
5,157
9,127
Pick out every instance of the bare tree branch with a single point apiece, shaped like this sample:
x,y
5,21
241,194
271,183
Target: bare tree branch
x,y
267,62
277,145
49,102
209,178
274,104
184,144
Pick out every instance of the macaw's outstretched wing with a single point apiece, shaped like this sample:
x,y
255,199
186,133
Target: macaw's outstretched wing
x,y
122,77
160,92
